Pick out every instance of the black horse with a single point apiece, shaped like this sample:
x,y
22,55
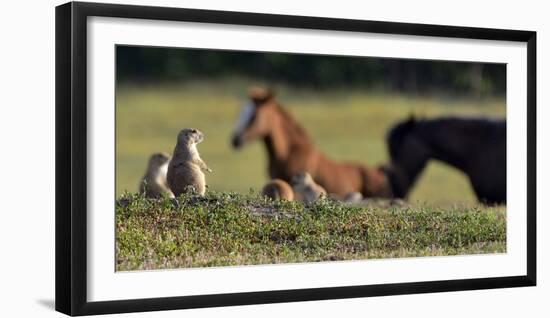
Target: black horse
x,y
475,146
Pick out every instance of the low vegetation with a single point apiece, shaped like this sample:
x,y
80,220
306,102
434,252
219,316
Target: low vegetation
x,y
225,228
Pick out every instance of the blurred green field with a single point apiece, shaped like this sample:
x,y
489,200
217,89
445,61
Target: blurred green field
x,y
346,125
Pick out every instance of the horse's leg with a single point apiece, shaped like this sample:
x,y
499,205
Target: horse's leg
x,y
488,177
276,172
341,179
488,190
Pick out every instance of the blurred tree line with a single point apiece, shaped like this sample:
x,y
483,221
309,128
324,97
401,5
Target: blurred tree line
x,y
144,64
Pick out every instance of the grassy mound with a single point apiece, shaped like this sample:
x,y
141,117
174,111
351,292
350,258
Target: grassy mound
x,y
234,229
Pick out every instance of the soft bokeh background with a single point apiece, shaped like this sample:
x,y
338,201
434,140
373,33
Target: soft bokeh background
x,y
346,104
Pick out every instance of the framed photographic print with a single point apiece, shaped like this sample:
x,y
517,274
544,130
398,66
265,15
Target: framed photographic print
x,y
210,158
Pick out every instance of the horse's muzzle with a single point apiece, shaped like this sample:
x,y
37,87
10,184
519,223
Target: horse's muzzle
x,y
237,141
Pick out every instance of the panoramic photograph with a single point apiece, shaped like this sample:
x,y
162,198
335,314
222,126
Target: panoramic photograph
x,y
233,158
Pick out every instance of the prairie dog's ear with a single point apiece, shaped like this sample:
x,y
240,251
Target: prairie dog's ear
x,y
259,95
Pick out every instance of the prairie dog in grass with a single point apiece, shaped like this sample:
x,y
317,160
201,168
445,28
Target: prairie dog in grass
x,y
186,169
353,197
278,189
154,184
306,189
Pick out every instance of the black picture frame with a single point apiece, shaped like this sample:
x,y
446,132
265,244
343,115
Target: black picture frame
x,y
71,157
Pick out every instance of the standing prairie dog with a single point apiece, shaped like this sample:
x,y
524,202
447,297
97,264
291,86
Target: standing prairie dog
x,y
278,189
154,184
186,167
306,189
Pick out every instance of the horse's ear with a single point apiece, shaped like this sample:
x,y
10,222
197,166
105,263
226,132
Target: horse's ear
x,y
411,121
260,95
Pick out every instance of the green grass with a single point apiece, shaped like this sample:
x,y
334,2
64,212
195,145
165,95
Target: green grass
x,y
346,125
224,229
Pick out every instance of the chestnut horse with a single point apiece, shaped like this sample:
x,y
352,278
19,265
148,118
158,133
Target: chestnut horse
x,y
475,146
290,150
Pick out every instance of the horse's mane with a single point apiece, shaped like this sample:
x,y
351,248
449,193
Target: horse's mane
x,y
292,126
398,132
477,126
474,128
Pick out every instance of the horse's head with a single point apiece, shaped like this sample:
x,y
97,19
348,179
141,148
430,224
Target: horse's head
x,y
409,154
256,117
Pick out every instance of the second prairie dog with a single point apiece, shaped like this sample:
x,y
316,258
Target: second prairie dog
x,y
306,189
154,184
353,197
278,189
186,168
